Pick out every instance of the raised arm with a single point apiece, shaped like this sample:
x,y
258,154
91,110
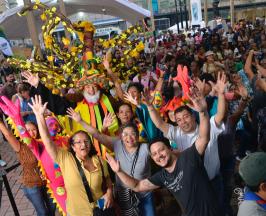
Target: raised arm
x,y
248,64
57,104
245,98
11,139
114,78
39,109
160,82
102,138
134,184
198,103
219,88
155,116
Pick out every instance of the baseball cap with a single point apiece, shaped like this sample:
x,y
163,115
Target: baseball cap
x,y
253,168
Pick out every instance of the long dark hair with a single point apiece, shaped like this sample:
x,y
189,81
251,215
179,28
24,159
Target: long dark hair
x,y
36,126
71,143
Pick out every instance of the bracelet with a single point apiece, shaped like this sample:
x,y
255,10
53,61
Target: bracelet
x,y
161,77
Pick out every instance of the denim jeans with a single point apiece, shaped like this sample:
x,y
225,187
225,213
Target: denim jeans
x,y
147,206
40,200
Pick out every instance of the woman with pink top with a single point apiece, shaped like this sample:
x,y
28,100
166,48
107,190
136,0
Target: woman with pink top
x,y
50,170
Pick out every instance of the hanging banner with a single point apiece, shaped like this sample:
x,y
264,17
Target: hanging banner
x,y
196,13
5,47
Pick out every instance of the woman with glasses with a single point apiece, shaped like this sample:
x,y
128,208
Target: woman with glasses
x,y
135,160
80,155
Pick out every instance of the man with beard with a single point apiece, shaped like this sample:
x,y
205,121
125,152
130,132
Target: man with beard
x,y
184,175
92,104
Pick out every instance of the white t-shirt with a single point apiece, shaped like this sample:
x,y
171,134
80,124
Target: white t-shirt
x,y
186,140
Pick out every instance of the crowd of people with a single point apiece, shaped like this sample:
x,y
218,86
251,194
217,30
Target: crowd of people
x,y
192,108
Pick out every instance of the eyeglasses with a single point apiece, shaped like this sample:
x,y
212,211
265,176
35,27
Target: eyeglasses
x,y
129,134
86,142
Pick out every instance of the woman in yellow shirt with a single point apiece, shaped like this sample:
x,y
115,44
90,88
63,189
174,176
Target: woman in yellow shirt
x,y
80,147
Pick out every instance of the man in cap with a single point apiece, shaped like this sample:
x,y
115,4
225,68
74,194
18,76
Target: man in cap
x,y
253,171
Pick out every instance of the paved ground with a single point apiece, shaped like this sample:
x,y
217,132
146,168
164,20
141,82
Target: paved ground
x,y
25,208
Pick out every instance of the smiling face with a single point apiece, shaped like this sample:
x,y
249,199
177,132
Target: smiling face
x,y
125,114
130,137
81,144
134,92
185,121
10,78
32,129
91,89
161,154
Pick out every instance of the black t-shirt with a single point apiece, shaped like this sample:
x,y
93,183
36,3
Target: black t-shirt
x,y
189,183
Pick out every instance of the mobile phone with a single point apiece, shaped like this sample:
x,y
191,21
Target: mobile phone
x,y
100,203
161,67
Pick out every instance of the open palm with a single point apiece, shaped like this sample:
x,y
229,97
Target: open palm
x,y
32,79
74,115
128,97
198,102
37,107
108,120
114,164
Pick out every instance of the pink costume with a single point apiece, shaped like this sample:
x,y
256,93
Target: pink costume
x,y
50,170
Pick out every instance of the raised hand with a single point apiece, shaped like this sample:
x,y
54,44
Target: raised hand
x,y
220,85
74,115
114,164
37,107
198,102
9,108
200,85
146,97
32,79
108,120
133,100
242,91
106,63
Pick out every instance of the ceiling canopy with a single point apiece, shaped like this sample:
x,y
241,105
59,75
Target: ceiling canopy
x,y
15,27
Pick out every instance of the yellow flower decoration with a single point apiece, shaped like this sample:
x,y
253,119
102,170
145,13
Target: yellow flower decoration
x,y
123,36
65,41
134,53
53,9
48,40
73,49
106,44
50,58
43,17
140,46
